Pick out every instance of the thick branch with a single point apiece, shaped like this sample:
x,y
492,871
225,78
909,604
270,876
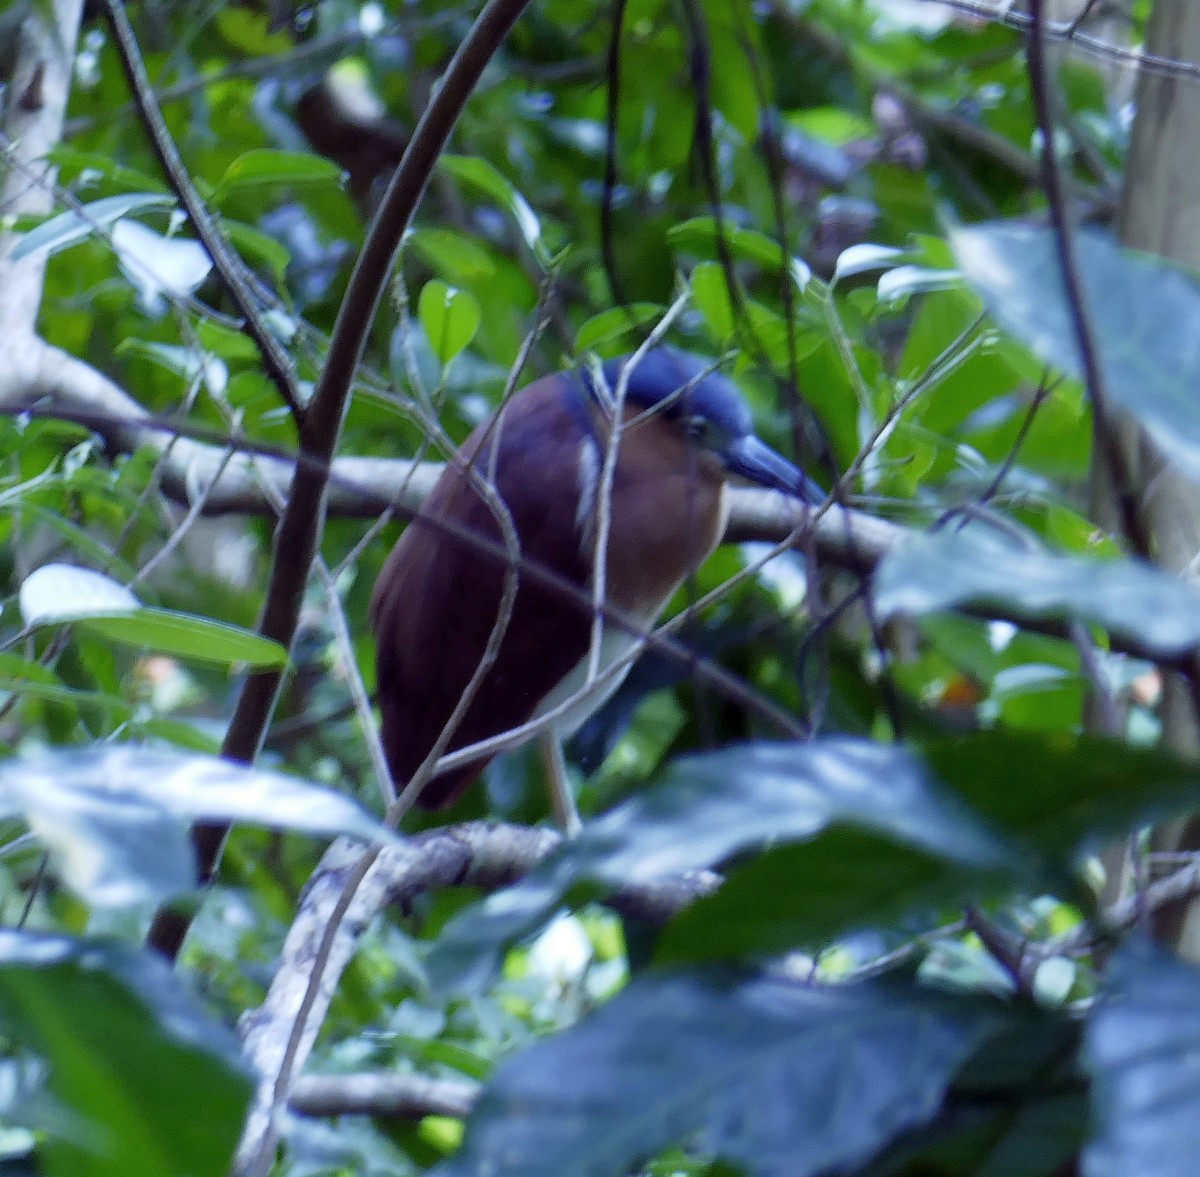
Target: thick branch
x,y
476,855
393,1097
35,105
358,487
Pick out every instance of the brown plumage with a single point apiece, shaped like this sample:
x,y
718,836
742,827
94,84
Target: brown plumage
x,y
437,597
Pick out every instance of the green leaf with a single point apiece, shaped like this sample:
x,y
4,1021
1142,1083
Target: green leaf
x,y
264,166
981,815
69,228
808,895
1142,1042
757,1071
115,817
96,163
152,1084
1058,797
976,567
1144,315
250,32
699,235
58,594
256,245
710,293
1018,1108
453,254
614,323
184,635
478,172
450,318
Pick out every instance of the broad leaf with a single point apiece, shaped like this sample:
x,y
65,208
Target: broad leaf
x,y
1144,315
450,318
184,635
1142,1049
1057,797
1018,1108
702,236
804,896
947,570
710,293
614,323
947,823
151,1083
116,816
759,1071
70,228
58,594
482,175
261,166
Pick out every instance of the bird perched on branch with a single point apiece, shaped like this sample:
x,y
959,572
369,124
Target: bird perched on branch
x,y
684,430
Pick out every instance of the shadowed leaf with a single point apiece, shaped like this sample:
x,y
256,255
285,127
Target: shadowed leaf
x,y
1142,1049
759,1071
710,808
1144,315
116,816
150,1083
932,573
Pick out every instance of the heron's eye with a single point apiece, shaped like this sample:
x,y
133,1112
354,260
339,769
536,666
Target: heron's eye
x,y
698,427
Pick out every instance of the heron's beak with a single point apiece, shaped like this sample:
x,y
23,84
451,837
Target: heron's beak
x,y
757,462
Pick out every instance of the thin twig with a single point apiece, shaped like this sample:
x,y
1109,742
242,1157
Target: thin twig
x,y
228,264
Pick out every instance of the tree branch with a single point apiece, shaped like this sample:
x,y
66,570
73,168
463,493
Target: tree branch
x,y
394,1097
228,264
33,120
476,854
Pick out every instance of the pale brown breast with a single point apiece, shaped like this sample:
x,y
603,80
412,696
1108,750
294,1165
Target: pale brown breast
x,y
669,509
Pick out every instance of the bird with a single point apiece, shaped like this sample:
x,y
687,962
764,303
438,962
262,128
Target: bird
x,y
685,431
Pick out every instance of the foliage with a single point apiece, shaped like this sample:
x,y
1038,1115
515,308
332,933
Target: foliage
x,y
899,953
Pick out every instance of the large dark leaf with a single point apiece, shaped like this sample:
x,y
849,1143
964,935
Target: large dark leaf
x,y
1063,796
1145,318
1058,797
806,895
150,1083
1143,1050
930,573
778,1077
116,816
712,807
1017,1108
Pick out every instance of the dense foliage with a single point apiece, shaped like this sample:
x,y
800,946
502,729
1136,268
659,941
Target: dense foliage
x,y
873,899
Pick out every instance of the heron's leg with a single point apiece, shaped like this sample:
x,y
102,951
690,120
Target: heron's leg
x,y
562,800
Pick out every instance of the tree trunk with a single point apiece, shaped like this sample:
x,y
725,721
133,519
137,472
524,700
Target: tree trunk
x,y
1161,214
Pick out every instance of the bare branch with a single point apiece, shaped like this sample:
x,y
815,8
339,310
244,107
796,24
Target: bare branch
x,y
233,273
396,1097
477,854
33,123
